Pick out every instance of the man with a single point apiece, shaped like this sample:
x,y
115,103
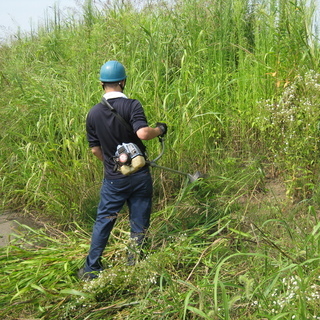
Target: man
x,y
105,132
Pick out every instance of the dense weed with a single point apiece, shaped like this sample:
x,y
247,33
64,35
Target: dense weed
x,y
238,84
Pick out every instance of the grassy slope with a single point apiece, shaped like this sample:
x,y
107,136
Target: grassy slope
x,y
238,86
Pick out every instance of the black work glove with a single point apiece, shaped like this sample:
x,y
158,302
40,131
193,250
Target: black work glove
x,y
163,127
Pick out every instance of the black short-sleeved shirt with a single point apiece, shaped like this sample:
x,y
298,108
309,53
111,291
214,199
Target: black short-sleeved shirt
x,y
104,129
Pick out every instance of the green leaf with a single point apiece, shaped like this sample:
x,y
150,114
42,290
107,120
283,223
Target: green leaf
x,y
34,286
244,234
75,293
198,312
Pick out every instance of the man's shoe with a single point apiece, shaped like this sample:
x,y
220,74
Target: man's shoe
x,y
82,275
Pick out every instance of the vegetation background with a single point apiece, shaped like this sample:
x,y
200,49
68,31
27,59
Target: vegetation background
x,y
238,83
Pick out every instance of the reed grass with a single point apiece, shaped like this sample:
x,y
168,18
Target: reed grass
x,y
206,267
237,83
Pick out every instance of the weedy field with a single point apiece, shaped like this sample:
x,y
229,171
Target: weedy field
x,y
237,82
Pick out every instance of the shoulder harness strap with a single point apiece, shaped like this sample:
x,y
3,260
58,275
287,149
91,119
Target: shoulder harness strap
x,y
105,102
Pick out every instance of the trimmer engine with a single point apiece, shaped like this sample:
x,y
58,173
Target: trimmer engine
x,y
128,158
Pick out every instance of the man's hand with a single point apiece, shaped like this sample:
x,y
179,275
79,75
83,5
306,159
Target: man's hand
x,y
163,127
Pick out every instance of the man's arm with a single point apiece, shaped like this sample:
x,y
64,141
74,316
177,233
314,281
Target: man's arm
x,y
148,133
97,151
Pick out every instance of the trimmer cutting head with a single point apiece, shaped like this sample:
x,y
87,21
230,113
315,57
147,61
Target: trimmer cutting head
x,y
195,177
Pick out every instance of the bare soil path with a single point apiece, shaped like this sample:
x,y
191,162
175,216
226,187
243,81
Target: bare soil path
x,y
10,224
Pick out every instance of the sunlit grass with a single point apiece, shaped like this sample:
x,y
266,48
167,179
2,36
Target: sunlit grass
x,y
209,267
237,83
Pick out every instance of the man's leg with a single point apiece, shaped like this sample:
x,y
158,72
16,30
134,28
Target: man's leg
x,y
112,198
140,203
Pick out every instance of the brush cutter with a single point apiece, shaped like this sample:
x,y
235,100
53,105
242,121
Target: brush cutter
x,y
191,177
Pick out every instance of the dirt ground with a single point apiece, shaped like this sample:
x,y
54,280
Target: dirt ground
x,y
10,225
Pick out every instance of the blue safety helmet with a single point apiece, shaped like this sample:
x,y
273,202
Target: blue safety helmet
x,y
112,71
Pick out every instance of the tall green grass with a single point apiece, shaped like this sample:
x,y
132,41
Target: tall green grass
x,y
237,83
209,70
195,267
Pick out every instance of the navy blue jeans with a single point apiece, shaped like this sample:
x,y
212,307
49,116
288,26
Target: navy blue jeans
x,y
136,191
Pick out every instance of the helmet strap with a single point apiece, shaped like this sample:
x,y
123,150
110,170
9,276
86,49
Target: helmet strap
x,y
122,86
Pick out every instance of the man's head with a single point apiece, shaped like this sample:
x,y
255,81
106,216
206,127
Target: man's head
x,y
113,74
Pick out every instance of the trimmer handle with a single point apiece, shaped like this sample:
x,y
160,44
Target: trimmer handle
x,y
161,140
